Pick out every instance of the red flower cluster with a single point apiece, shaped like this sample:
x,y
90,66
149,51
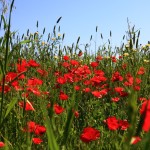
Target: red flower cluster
x,y
88,79
116,77
113,123
37,129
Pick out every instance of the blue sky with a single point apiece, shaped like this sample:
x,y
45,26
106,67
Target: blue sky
x,y
80,18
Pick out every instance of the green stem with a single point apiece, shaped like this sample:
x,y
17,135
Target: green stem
x,y
5,64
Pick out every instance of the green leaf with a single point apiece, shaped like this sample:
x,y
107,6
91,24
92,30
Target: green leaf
x,y
137,41
10,107
25,41
52,143
4,21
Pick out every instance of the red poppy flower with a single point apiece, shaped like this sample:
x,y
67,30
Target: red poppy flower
x,y
16,86
105,85
22,66
34,82
130,80
94,64
124,66
10,76
46,93
86,90
119,89
123,94
39,130
37,140
65,64
120,57
136,88
115,99
77,88
66,57
82,71
6,89
2,144
76,113
68,77
34,90
98,79
135,139
58,109
141,71
63,96
61,80
74,62
42,72
87,82
99,72
25,95
104,92
98,58
33,63
123,124
116,77
146,124
31,126
89,134
112,123
57,73
97,94
28,106
138,81
113,58
146,107
142,99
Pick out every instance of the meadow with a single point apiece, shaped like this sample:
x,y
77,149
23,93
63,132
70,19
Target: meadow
x,y
56,97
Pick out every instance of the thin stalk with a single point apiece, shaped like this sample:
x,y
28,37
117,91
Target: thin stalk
x,y
5,64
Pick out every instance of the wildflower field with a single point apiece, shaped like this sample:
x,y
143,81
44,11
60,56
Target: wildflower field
x,y
56,97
